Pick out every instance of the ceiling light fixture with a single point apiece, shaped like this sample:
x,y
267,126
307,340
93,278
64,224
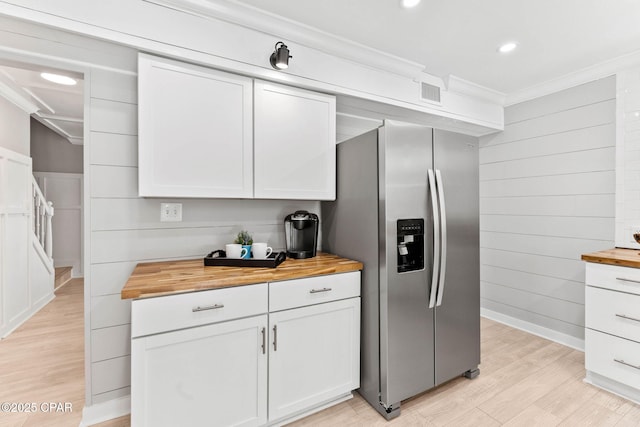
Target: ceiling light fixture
x,y
280,57
58,78
507,47
407,4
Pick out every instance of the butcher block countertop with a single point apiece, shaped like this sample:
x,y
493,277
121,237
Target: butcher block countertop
x,y
169,277
615,256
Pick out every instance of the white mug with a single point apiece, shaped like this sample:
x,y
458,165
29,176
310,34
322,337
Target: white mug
x,y
261,250
235,250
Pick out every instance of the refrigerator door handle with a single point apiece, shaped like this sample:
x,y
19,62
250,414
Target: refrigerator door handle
x,y
436,238
443,244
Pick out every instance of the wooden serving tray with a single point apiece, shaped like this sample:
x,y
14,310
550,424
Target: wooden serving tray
x,y
272,261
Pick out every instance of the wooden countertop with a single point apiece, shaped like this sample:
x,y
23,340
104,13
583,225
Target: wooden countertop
x,y
615,256
168,277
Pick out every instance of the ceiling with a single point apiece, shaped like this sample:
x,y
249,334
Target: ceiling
x,y
59,107
447,37
460,37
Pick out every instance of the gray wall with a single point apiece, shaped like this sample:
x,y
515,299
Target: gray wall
x,y
126,229
53,153
547,187
14,128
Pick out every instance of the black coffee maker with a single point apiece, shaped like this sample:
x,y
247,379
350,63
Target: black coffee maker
x,y
301,234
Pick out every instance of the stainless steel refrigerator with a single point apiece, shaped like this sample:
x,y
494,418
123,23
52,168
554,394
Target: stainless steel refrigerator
x,y
407,207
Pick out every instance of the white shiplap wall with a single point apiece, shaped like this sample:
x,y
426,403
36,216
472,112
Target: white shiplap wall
x,y
126,229
547,187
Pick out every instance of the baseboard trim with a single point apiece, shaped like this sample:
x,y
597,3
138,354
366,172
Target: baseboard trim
x,y
27,315
532,328
305,413
612,386
101,412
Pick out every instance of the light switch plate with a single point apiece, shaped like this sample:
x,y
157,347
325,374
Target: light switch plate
x,y
170,212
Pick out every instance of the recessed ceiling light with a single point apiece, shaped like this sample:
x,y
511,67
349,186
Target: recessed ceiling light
x,y
409,3
58,78
507,47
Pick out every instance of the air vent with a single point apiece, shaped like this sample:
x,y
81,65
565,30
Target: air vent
x,y
430,93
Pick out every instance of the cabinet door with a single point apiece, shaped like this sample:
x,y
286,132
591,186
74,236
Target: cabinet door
x,y
214,375
294,143
195,131
314,355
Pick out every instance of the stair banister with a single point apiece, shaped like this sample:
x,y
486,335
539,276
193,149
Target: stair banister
x,y
42,227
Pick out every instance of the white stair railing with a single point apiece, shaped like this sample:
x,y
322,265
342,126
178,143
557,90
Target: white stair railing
x,y
42,214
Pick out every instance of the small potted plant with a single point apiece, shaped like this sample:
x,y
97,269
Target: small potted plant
x,y
246,240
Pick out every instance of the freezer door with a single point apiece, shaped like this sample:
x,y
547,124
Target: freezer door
x,y
406,322
458,313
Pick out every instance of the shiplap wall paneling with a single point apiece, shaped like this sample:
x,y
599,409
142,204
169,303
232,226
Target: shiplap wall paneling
x,y
547,195
126,229
112,153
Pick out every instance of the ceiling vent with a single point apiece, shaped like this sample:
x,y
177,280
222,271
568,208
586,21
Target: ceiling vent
x,y
429,92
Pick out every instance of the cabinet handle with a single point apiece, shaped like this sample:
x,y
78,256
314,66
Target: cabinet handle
x,y
315,291
207,307
264,340
624,316
626,364
275,337
627,280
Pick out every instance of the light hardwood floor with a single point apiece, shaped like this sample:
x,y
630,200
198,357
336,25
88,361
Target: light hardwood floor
x,y
525,381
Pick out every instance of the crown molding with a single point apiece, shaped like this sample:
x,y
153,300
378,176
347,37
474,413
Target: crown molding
x,y
465,87
75,140
287,29
576,78
12,93
47,120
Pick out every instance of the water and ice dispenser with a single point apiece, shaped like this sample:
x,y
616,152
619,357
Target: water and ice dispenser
x,y
410,244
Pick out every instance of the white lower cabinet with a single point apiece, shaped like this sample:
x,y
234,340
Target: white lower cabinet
x,y
612,335
227,361
213,375
314,355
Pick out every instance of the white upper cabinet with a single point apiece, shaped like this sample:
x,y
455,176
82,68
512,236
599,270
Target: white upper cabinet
x,y
195,131
294,143
206,133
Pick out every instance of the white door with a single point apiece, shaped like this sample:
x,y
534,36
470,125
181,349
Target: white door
x,y
195,131
314,355
294,143
214,375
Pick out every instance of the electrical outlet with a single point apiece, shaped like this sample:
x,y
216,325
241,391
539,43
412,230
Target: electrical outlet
x,y
170,212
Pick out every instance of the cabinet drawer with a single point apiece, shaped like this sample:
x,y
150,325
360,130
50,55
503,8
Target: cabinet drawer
x,y
161,314
616,313
313,290
624,279
613,357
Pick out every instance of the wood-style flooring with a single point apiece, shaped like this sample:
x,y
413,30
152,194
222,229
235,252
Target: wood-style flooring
x,y
524,381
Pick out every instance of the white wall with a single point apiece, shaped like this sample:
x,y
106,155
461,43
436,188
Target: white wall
x,y
628,158
53,153
14,128
26,276
547,187
65,191
126,229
